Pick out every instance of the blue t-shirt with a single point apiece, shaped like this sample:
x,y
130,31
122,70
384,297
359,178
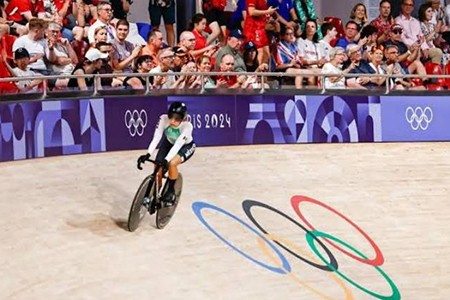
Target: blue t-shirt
x,y
343,42
284,7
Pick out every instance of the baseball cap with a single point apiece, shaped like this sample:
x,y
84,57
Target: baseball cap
x,y
250,46
94,54
21,53
396,26
236,33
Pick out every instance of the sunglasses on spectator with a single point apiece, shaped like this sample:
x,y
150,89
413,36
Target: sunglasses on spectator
x,y
397,31
169,56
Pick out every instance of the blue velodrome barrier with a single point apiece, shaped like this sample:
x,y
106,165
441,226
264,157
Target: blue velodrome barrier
x,y
49,128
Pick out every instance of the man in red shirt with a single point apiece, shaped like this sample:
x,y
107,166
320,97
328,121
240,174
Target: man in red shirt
x,y
227,65
384,22
254,27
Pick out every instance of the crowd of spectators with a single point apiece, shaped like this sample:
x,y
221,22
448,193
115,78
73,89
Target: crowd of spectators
x,y
82,37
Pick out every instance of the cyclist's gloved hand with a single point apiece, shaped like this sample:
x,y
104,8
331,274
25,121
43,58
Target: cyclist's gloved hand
x,y
142,159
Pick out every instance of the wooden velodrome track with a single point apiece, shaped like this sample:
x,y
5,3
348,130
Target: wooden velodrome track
x,y
63,233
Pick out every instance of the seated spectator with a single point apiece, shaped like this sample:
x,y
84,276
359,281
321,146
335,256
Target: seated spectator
x,y
334,67
376,63
91,64
104,10
37,46
20,12
384,21
198,30
66,58
233,47
329,33
412,32
124,52
106,67
204,65
351,32
309,53
166,65
187,81
258,13
100,36
360,66
227,65
154,46
408,57
306,11
359,16
432,34
143,66
181,58
250,57
438,15
393,67
369,37
287,57
22,61
166,10
187,43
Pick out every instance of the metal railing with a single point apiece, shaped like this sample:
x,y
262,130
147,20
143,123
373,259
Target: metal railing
x,y
264,78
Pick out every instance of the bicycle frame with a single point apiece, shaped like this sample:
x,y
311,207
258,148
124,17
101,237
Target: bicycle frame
x,y
157,182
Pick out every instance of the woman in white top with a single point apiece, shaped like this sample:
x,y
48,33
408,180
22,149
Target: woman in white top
x,y
337,57
309,51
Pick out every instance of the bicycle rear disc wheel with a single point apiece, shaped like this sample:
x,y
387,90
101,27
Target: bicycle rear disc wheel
x,y
138,210
165,214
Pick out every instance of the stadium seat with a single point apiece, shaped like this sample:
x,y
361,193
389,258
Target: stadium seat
x,y
338,23
436,69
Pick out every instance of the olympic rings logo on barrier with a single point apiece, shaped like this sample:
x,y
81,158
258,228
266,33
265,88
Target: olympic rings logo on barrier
x,y
136,122
419,117
268,243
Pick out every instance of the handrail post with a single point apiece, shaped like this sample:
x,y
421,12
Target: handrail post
x,y
44,88
202,78
263,83
147,85
388,81
324,89
95,93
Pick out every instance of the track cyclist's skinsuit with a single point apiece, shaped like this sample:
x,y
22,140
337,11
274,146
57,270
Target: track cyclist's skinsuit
x,y
174,140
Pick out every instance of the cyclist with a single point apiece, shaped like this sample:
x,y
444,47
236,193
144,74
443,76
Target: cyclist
x,y
176,147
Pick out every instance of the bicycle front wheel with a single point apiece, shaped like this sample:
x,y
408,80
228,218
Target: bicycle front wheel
x,y
138,210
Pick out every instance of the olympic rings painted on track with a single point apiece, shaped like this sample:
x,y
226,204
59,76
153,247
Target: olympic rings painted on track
x,y
339,281
248,204
377,261
283,266
310,237
198,206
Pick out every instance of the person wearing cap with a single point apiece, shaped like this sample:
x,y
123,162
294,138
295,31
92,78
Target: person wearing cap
x,y
233,47
143,66
258,12
22,61
251,57
409,58
89,65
